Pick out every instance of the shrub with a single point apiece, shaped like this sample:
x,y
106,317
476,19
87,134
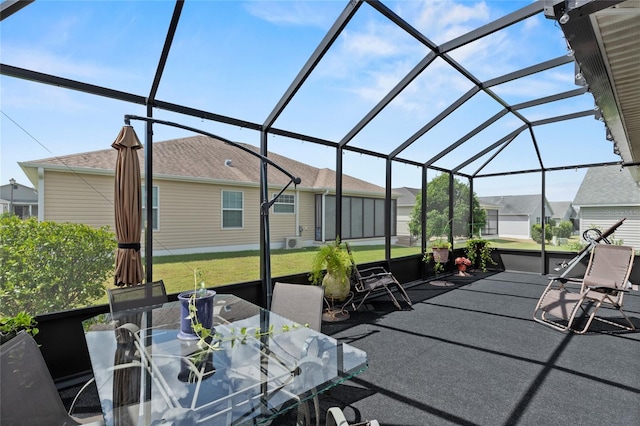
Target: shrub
x,y
50,266
536,233
563,230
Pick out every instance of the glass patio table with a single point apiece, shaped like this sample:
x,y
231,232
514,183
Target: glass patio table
x,y
262,365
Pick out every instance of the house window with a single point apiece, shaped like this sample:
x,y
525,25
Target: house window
x,y
285,203
232,209
154,207
361,217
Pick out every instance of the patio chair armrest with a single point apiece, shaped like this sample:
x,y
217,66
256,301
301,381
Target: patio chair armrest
x,y
375,271
565,279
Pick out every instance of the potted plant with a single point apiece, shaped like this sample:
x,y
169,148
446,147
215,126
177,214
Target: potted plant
x,y
335,260
10,326
439,254
478,251
462,263
196,311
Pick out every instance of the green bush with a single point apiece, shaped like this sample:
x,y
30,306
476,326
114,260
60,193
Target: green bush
x,y
536,233
50,266
563,230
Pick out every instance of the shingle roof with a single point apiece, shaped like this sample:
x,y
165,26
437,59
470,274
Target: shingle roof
x,y
406,196
560,208
513,204
607,186
203,157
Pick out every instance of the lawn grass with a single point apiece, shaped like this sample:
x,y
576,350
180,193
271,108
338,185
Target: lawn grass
x,y
218,269
228,268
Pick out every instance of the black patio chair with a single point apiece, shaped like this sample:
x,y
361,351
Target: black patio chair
x,y
29,396
139,296
372,280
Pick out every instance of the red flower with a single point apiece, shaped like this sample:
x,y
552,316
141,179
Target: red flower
x,y
463,261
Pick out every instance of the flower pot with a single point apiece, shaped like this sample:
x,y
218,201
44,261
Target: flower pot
x,y
204,313
335,288
462,268
440,255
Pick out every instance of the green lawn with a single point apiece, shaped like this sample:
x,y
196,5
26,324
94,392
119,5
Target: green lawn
x,y
227,268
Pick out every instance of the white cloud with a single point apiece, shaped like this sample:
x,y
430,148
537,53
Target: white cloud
x,y
46,61
370,43
442,21
40,98
388,53
298,13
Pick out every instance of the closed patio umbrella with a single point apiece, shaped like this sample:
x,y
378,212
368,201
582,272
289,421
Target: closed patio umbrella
x,y
128,209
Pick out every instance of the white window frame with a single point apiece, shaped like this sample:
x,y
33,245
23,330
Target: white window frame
x,y
223,209
280,203
155,208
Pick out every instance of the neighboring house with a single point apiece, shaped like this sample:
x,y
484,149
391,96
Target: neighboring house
x,y
406,201
22,199
491,222
206,197
564,211
515,214
606,195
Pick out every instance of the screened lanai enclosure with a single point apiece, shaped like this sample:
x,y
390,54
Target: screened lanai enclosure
x,y
506,97
356,98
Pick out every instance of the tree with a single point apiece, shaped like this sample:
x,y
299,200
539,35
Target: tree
x,y
50,266
438,209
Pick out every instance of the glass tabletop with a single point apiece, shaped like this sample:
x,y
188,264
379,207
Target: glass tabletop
x,y
257,366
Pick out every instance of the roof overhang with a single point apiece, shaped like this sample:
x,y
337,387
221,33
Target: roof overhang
x,y
604,36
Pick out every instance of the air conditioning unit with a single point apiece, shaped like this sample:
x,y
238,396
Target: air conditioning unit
x,y
292,242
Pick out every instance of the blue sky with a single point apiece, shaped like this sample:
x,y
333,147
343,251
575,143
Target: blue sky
x,y
237,58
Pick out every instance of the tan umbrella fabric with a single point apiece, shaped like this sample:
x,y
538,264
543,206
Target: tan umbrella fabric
x,y
128,209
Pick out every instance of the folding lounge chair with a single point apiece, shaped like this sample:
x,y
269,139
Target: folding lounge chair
x,y
604,283
593,237
371,280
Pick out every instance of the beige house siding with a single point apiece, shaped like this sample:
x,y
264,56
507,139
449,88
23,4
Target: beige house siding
x,y
189,213
86,198
190,219
189,177
604,217
307,216
282,225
